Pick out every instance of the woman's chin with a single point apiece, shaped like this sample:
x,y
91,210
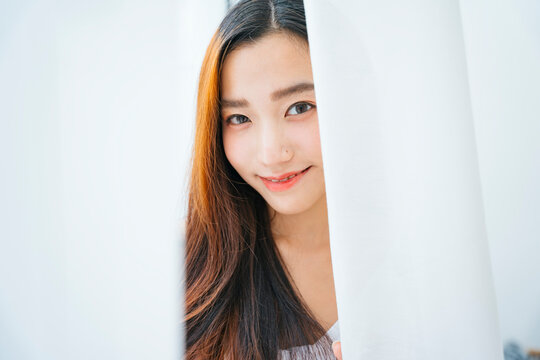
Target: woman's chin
x,y
287,207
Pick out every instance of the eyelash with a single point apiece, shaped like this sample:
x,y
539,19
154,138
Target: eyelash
x,y
311,106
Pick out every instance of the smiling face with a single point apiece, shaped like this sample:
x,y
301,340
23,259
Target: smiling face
x,y
270,124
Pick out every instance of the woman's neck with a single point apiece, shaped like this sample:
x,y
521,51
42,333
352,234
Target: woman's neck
x,y
304,244
305,232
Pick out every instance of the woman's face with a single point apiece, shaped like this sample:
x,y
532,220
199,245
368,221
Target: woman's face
x,y
270,124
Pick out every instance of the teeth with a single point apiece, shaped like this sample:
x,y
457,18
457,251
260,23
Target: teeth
x,y
287,178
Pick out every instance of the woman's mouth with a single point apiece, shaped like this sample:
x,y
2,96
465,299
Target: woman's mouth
x,y
274,184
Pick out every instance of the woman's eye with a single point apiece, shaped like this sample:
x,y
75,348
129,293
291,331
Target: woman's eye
x,y
300,108
237,119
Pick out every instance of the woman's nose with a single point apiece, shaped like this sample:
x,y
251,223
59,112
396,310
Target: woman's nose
x,y
273,147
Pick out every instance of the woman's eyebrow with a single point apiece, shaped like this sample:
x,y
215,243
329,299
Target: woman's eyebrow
x,y
298,88
276,95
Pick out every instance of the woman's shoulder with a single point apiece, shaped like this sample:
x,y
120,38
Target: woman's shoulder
x,y
333,332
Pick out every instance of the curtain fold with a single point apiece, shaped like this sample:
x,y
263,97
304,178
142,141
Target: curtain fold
x,y
409,247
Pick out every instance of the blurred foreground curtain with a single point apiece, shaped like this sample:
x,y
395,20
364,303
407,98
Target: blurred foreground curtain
x,y
90,147
408,239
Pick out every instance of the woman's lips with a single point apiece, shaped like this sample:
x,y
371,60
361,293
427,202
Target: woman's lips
x,y
286,184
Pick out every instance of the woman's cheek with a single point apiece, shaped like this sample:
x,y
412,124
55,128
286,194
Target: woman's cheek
x,y
307,136
235,150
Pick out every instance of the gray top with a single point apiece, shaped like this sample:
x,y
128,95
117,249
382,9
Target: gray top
x,y
333,333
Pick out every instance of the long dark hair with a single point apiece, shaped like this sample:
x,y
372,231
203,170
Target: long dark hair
x,y
240,300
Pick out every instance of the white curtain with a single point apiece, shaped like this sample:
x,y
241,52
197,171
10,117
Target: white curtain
x,y
90,159
408,238
503,55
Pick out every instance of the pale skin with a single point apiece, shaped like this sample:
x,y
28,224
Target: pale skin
x,y
270,128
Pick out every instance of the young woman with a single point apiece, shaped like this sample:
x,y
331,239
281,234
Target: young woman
x,y
259,281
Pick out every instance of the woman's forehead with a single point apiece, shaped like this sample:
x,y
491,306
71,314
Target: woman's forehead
x,y
274,61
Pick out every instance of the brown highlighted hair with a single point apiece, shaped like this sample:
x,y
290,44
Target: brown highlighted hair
x,y
240,301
